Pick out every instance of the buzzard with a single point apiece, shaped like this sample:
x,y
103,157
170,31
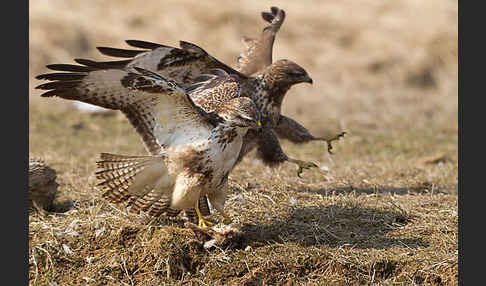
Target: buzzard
x,y
193,151
256,58
262,80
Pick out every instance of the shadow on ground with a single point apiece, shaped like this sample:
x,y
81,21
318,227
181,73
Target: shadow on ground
x,y
423,188
331,226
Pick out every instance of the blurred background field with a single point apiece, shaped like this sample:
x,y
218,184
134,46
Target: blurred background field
x,y
384,71
374,63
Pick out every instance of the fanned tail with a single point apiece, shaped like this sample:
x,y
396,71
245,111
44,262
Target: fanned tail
x,y
125,176
154,204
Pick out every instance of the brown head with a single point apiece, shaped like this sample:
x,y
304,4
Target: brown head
x,y
285,73
240,112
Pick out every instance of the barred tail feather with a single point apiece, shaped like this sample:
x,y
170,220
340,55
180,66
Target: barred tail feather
x,y
126,176
146,202
172,212
160,206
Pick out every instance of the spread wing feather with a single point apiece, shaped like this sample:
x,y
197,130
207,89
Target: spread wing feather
x,y
104,88
182,65
258,52
159,109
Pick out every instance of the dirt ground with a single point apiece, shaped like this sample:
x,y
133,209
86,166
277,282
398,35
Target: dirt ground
x,y
381,211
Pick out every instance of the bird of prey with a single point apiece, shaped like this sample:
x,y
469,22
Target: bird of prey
x,y
262,80
193,151
256,58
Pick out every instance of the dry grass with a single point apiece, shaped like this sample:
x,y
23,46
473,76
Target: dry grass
x,y
383,211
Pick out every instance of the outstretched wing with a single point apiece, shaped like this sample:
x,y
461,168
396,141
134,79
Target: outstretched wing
x,y
182,65
258,53
106,88
160,110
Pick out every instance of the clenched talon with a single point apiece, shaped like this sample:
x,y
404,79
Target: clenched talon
x,y
204,223
329,140
302,165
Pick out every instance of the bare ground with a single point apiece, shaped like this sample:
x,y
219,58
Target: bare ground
x,y
381,211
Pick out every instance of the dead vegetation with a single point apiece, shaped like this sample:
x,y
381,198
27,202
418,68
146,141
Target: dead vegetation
x,y
381,211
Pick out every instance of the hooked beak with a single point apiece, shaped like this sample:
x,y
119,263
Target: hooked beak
x,y
309,80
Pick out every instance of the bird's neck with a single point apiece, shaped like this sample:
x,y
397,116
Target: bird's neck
x,y
225,133
268,96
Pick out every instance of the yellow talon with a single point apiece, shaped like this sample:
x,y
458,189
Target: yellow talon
x,y
302,165
205,223
202,222
329,140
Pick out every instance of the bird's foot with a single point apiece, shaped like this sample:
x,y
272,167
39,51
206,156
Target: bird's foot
x,y
302,165
204,223
329,140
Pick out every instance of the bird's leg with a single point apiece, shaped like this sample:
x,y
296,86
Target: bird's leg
x,y
302,165
329,140
202,222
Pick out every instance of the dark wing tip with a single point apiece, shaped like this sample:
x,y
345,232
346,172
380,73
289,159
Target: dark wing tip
x,y
143,44
68,68
103,65
61,76
59,85
276,16
267,17
120,53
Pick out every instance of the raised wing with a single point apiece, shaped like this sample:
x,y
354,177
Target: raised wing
x,y
182,65
106,88
160,110
258,53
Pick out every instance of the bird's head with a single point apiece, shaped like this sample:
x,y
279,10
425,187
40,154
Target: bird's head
x,y
286,72
240,112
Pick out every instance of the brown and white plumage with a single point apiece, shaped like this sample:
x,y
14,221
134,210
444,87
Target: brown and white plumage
x,y
262,80
192,150
183,65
